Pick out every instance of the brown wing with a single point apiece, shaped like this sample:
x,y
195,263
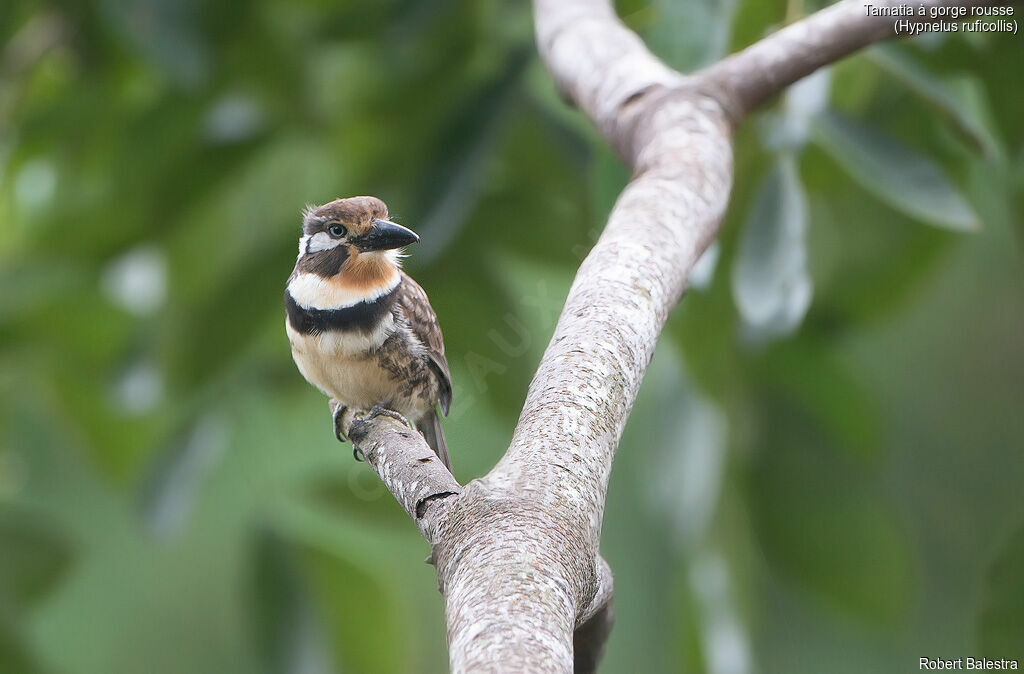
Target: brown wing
x,y
423,322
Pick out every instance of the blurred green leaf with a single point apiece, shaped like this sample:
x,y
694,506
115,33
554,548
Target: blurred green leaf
x,y
15,656
286,631
457,179
313,608
641,544
948,100
360,617
252,216
770,283
1000,627
1017,176
868,261
688,452
34,556
808,374
165,32
692,34
900,176
791,127
177,479
27,286
355,491
825,528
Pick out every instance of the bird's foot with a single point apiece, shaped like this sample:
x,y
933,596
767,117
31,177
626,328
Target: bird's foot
x,y
338,410
381,411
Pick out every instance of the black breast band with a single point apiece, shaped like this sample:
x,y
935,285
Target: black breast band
x,y
361,316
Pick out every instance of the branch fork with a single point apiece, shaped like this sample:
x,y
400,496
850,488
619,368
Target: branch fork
x,y
516,551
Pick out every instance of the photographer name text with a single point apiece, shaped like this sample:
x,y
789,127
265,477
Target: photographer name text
x,y
940,664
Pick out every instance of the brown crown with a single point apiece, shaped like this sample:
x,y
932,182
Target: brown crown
x,y
355,213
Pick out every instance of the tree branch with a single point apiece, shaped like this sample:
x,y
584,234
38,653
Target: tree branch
x,y
517,550
405,464
748,78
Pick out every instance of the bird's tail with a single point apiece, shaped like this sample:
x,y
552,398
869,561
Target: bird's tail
x,y
430,426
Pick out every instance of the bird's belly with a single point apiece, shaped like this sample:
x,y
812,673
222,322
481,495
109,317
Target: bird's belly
x,y
339,364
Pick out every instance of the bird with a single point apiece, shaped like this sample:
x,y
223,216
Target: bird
x,y
362,330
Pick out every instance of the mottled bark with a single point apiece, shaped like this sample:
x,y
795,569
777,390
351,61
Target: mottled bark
x,y
517,550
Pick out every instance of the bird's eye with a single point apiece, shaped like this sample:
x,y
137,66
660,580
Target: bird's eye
x,y
336,231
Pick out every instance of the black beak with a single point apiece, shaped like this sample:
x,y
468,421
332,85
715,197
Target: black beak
x,y
385,235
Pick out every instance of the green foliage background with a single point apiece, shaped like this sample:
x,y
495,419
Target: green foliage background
x,y
823,471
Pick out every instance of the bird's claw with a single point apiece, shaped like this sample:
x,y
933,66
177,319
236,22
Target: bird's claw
x,y
337,414
338,410
381,411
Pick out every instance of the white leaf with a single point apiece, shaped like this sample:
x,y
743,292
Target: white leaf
x,y
801,103
771,285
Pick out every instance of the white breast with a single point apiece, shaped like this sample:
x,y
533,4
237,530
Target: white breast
x,y
315,292
338,363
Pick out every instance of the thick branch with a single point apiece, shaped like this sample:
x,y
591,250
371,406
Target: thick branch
x,y
748,78
598,64
677,142
518,553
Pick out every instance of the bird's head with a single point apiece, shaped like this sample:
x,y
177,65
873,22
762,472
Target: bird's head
x,y
351,237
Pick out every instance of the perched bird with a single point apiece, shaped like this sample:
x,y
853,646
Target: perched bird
x,y
361,330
